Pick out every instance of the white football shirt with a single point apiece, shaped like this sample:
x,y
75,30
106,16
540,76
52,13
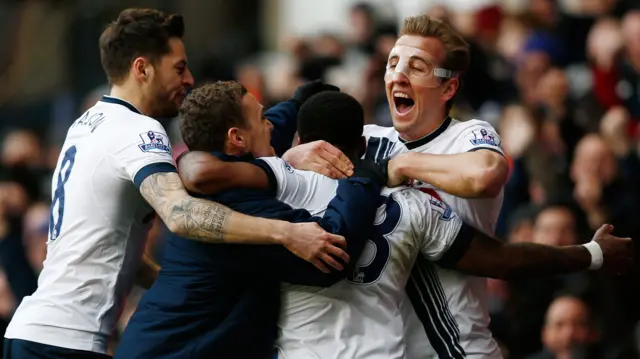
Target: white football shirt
x,y
360,317
97,228
465,332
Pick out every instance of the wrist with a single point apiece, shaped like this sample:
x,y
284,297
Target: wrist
x,y
278,232
399,165
597,257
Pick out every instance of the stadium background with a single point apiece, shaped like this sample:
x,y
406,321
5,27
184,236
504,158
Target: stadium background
x,y
559,79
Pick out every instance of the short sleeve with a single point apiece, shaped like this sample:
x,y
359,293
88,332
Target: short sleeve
x,y
444,238
281,172
301,189
145,150
480,135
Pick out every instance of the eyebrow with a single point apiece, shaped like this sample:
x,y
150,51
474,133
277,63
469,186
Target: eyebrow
x,y
182,62
414,57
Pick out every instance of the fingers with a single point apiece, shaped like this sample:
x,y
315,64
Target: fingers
x,y
331,261
336,158
603,230
320,165
318,264
338,253
338,241
325,169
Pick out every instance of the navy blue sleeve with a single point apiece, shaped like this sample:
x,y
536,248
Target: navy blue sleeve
x,y
283,117
350,214
273,182
151,169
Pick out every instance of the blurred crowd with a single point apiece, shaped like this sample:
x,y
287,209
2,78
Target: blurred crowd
x,y
559,80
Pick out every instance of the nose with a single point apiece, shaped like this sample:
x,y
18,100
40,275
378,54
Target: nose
x,y
270,125
399,78
188,80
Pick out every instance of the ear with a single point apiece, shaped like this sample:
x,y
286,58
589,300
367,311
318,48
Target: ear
x,y
142,69
236,138
450,89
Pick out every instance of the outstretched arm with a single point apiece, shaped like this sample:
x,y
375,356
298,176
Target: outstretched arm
x,y
488,257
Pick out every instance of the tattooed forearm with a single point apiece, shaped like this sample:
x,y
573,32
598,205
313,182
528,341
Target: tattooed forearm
x,y
200,219
184,215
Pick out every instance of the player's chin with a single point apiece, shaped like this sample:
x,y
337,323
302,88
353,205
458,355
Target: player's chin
x,y
178,99
402,121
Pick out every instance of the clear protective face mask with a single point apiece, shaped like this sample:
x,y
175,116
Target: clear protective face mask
x,y
415,64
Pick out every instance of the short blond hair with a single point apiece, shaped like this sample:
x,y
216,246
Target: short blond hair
x,y
456,48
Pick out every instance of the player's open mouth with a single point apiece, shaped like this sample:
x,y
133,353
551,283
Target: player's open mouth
x,y
403,103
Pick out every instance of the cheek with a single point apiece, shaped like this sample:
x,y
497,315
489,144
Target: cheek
x,y
422,92
388,78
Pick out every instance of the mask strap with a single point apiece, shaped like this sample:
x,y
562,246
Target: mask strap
x,y
444,73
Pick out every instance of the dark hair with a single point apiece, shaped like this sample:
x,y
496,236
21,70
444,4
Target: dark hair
x,y
208,112
135,33
332,116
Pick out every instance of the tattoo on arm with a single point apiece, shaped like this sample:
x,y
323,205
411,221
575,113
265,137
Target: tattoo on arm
x,y
184,215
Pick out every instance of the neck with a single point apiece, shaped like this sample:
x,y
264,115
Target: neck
x,y
424,127
230,150
132,95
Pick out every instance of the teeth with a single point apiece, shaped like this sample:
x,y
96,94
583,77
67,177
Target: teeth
x,y
400,94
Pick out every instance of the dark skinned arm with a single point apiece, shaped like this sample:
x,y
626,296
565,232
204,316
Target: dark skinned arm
x,y
489,257
478,254
204,173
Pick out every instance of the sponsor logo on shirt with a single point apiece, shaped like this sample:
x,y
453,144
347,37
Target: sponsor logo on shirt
x,y
484,137
154,142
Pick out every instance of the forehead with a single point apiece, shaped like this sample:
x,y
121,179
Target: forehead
x,y
251,106
427,47
566,308
555,215
176,52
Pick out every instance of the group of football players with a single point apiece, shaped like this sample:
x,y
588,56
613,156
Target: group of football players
x,y
297,232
